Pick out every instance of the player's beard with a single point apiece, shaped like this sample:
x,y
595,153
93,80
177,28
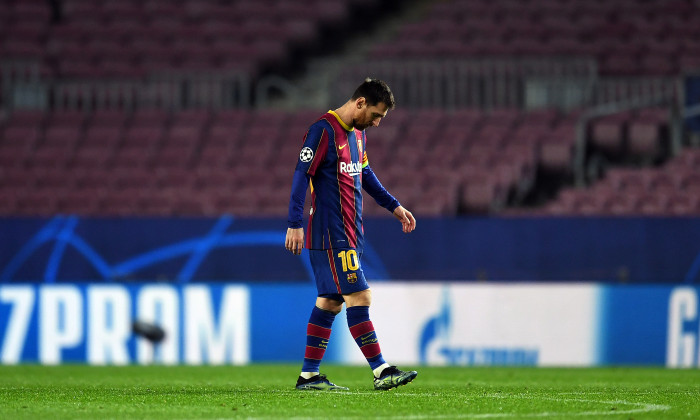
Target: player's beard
x,y
361,127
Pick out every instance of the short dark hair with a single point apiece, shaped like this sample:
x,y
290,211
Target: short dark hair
x,y
375,91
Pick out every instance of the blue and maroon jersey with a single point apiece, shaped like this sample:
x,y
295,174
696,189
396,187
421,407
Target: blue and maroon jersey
x,y
333,155
333,160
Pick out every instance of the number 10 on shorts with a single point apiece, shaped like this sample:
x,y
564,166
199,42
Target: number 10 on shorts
x,y
349,260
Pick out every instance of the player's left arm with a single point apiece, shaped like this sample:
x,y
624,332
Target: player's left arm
x,y
376,190
408,222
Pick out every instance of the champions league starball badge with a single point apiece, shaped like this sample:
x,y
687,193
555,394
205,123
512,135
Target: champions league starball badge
x,y
306,154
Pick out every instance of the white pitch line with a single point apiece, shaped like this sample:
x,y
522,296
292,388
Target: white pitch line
x,y
640,408
375,393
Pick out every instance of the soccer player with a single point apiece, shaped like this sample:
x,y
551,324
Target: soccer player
x,y
333,160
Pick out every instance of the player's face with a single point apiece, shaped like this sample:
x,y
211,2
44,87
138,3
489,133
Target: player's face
x,y
370,115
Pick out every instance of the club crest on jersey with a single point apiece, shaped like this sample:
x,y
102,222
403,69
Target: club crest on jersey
x,y
352,278
351,168
306,154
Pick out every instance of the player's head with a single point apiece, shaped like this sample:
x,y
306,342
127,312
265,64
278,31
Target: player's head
x,y
373,99
375,91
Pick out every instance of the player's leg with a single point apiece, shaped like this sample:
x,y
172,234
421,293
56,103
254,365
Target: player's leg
x,y
358,298
318,330
362,330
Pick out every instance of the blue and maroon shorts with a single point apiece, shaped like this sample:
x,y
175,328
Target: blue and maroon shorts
x,y
338,272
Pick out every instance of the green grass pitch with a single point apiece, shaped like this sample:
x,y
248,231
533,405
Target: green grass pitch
x,y
267,392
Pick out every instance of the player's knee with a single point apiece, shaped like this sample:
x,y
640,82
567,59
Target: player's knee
x,y
333,310
363,298
329,305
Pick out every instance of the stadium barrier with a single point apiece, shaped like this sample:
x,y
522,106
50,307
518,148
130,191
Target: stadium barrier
x,y
447,324
481,83
613,250
24,87
524,83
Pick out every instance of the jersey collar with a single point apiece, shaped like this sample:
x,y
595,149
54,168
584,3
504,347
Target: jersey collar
x,y
345,126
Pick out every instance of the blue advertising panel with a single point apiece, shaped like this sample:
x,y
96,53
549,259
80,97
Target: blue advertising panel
x,y
458,323
649,326
604,250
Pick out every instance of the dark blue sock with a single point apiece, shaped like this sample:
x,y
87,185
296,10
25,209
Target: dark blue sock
x,y
362,331
318,332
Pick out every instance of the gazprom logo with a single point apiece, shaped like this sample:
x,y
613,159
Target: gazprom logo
x,y
439,344
352,168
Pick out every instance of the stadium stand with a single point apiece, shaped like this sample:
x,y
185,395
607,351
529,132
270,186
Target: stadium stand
x,y
626,37
668,190
130,39
439,162
154,158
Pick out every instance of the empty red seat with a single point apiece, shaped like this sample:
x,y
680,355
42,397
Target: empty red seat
x,y
108,118
650,205
157,203
620,204
131,157
481,193
102,136
120,203
91,157
664,181
625,180
97,178
192,118
80,202
133,179
19,138
62,136
36,203
174,156
150,117
556,153
214,156
680,204
608,133
49,157
143,137
173,178
183,135
644,139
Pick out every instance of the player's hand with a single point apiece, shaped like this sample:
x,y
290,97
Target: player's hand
x,y
408,222
295,240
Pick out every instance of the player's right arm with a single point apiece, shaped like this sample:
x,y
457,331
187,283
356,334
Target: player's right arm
x,y
295,226
312,154
294,241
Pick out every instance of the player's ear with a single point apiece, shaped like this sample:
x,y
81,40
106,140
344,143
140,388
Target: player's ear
x,y
360,102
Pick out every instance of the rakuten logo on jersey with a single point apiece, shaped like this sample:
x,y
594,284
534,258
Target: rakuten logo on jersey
x,y
352,168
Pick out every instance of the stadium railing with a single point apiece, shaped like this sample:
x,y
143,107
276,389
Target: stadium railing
x,y
24,87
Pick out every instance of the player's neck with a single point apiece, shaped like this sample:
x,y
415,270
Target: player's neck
x,y
345,113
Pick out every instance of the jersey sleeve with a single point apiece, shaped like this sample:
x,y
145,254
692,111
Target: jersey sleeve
x,y
300,183
314,150
371,184
312,154
376,190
